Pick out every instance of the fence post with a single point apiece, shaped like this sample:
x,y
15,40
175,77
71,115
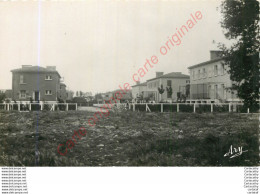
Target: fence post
x,y
162,107
41,106
194,107
30,106
133,107
229,107
247,110
67,107
129,105
53,107
19,106
177,107
8,107
76,106
211,107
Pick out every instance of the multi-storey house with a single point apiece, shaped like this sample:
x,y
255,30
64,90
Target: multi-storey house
x,y
210,80
37,84
175,80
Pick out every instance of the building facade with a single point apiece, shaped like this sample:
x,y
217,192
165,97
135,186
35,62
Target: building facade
x,y
139,91
175,80
34,83
210,80
62,94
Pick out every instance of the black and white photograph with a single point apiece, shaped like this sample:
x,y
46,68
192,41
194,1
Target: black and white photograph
x,y
129,84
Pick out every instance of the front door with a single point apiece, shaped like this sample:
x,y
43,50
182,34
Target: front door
x,y
37,96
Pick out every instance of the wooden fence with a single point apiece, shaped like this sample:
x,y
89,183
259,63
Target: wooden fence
x,y
38,106
191,107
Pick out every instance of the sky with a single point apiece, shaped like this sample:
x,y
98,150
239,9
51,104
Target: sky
x,y
98,45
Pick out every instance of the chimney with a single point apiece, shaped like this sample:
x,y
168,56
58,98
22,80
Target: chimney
x,y
138,82
215,55
53,68
158,74
26,66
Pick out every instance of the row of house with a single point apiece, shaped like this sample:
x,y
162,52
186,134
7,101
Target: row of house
x,y
35,83
107,96
149,90
208,80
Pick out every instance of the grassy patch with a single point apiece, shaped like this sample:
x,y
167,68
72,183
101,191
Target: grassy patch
x,y
128,139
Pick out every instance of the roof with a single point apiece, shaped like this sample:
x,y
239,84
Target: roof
x,y
62,84
141,84
172,75
205,63
37,69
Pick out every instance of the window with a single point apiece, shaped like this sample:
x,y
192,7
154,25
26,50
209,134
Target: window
x,y
22,79
216,70
199,74
216,91
210,71
22,94
187,81
48,92
223,90
48,77
222,69
204,73
193,75
209,91
169,82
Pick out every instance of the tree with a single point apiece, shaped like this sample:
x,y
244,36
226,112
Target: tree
x,y
169,90
2,97
161,90
77,94
241,24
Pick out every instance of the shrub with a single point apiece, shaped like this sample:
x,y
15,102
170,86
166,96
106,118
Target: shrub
x,y
15,107
118,108
186,107
170,108
140,107
61,107
220,108
35,107
72,107
203,108
47,107
155,107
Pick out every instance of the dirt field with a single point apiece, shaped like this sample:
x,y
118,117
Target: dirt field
x,y
128,139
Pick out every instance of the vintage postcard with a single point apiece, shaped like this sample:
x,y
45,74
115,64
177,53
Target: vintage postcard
x,y
129,83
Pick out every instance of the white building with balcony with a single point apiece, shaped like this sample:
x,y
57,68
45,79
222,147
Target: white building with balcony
x,y
210,80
